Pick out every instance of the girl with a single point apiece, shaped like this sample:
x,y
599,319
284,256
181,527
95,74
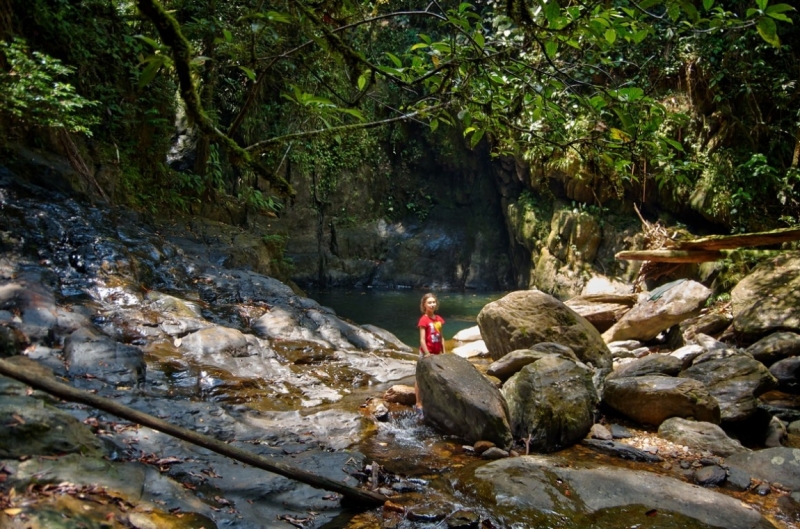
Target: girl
x,y
430,327
431,340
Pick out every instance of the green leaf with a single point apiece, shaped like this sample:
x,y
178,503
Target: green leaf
x,y
397,62
639,36
552,11
419,45
479,40
497,79
424,38
434,124
149,73
464,6
550,48
275,16
362,79
674,144
353,112
227,34
762,4
690,11
248,72
155,44
779,8
476,137
611,36
708,4
647,4
780,16
768,31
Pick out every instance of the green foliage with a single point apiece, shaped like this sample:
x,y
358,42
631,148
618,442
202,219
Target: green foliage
x,y
31,90
257,200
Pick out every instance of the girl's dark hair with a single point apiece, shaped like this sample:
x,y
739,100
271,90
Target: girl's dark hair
x,y
424,299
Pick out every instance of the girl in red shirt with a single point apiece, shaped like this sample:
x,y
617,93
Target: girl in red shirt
x,y
431,340
430,327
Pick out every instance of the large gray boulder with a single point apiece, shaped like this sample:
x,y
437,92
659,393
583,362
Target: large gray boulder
x,y
652,399
460,401
525,318
767,299
551,400
735,379
659,311
539,491
700,436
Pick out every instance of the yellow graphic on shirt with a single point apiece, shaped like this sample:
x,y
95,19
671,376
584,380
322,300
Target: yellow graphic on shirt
x,y
438,326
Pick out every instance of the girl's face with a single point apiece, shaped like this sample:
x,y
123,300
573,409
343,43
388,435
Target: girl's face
x,y
430,305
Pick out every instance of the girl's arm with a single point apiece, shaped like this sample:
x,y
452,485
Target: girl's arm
x,y
441,336
422,345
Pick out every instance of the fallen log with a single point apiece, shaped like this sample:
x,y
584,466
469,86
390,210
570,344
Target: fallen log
x,y
66,392
670,256
730,242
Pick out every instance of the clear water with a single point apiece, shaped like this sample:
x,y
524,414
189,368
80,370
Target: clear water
x,y
397,311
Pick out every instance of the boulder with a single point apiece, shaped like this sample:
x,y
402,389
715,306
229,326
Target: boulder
x,y
766,300
460,401
734,379
774,347
470,334
602,310
787,373
388,337
687,354
652,399
654,364
711,323
551,400
660,311
700,436
552,492
516,360
776,465
401,394
524,318
471,349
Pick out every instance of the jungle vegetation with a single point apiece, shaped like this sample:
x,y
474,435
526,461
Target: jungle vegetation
x,y
697,98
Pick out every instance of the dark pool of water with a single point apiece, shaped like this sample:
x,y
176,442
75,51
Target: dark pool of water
x,y
397,311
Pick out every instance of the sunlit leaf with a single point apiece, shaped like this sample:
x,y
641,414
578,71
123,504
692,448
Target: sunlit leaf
x,y
434,124
248,72
362,79
476,137
396,60
611,36
768,31
550,48
227,34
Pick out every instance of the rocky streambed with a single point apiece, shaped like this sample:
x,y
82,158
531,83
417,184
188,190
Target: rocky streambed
x,y
176,318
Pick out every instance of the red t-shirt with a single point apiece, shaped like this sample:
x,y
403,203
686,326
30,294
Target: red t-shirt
x,y
433,332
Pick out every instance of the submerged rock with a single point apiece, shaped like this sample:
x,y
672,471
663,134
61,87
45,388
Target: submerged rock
x,y
547,491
